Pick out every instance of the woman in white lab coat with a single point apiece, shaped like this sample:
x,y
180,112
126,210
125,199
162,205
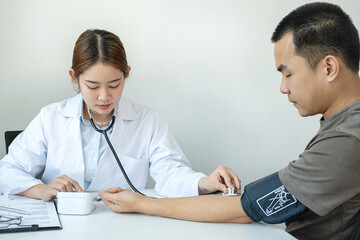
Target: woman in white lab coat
x,y
75,157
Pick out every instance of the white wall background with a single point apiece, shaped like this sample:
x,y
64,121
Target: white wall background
x,y
207,66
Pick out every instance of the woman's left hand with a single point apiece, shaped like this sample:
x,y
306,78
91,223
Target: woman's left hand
x,y
219,180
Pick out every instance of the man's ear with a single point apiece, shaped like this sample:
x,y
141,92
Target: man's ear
x,y
331,64
72,75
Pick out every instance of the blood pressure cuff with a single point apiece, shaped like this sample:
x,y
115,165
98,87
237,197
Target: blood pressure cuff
x,y
269,201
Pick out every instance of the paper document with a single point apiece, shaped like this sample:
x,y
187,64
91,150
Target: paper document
x,y
36,212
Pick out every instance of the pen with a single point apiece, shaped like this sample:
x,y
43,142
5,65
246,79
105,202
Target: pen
x,y
14,210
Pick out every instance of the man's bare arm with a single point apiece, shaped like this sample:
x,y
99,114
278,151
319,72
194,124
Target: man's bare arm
x,y
207,208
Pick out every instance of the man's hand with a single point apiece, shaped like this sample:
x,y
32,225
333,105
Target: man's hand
x,y
119,200
219,180
48,192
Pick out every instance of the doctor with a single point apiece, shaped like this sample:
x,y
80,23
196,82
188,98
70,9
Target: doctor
x,y
75,157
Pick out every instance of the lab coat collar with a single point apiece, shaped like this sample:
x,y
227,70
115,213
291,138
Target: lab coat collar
x,y
72,108
126,111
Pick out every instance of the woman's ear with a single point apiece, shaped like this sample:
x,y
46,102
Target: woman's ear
x,y
72,75
127,74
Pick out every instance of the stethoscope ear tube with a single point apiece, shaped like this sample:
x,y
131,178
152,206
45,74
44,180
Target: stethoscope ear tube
x,y
98,129
113,151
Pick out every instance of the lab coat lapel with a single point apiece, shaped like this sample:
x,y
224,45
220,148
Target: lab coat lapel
x,y
72,109
76,136
126,112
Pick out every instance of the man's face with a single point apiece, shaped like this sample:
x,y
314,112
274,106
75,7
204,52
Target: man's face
x,y
305,87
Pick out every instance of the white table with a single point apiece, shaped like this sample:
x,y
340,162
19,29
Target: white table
x,y
103,224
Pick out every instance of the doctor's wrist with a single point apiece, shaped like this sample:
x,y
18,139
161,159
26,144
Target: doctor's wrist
x,y
203,187
36,191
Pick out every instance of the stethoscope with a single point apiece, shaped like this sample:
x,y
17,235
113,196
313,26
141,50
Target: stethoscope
x,y
230,191
104,132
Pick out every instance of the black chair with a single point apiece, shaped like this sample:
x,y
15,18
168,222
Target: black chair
x,y
356,231
9,137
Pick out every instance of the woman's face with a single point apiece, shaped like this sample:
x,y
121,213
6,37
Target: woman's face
x,y
101,86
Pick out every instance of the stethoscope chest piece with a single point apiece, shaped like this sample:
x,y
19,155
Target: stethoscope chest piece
x,y
231,192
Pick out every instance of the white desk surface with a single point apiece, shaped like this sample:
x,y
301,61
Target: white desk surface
x,y
103,224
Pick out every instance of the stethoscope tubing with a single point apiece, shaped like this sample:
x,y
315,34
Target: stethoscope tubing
x,y
113,151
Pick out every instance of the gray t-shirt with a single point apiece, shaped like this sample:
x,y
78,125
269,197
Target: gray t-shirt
x,y
326,179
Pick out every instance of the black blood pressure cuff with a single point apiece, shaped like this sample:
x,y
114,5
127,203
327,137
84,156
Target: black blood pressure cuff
x,y
269,201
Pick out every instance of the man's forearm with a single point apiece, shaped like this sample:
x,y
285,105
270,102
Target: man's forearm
x,y
208,208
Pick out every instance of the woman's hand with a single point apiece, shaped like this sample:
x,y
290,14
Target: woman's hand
x,y
49,191
219,180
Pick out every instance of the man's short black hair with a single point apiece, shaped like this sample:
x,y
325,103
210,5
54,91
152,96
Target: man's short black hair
x,y
320,29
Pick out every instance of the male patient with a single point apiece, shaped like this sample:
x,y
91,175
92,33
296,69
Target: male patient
x,y
318,195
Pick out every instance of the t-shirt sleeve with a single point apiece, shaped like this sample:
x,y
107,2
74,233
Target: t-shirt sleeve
x,y
326,174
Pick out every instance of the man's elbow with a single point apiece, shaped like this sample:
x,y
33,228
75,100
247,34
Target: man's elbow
x,y
244,220
239,220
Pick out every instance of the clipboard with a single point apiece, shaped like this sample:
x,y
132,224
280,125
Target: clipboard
x,y
20,229
39,215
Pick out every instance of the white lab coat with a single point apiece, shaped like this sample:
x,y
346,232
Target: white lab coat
x,y
141,139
